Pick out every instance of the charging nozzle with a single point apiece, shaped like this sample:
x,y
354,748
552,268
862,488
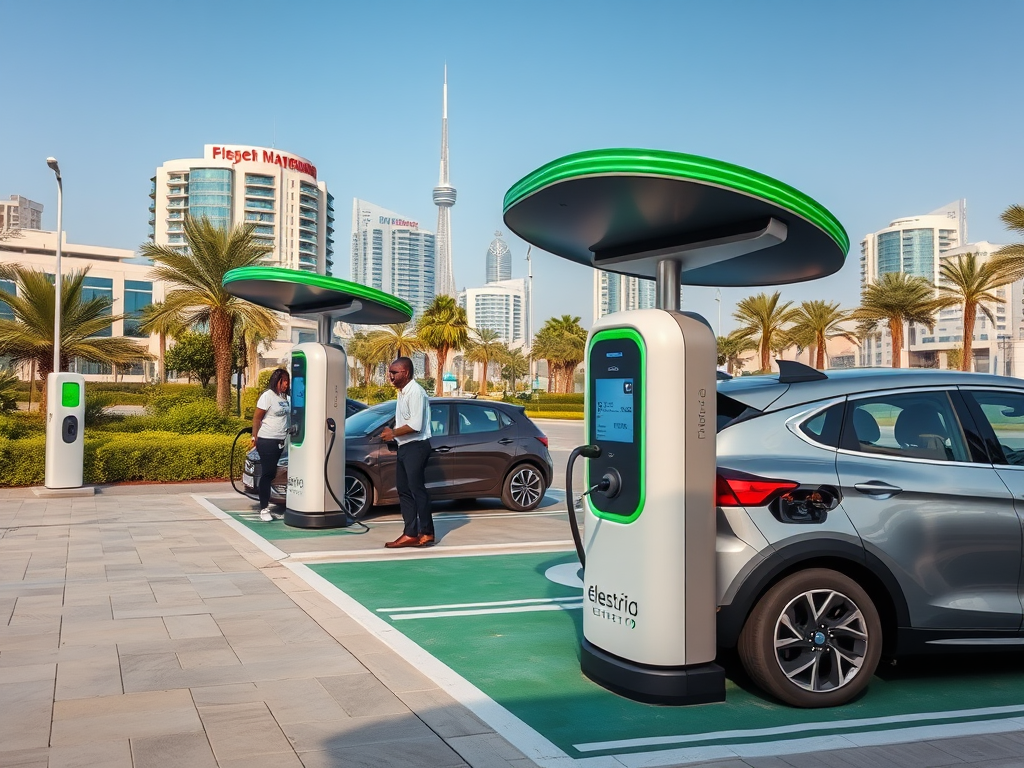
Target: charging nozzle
x,y
332,425
589,451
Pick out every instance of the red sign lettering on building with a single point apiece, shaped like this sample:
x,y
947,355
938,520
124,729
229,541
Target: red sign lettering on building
x,y
253,155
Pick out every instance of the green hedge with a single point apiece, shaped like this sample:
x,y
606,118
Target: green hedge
x,y
568,415
545,399
116,457
19,424
554,407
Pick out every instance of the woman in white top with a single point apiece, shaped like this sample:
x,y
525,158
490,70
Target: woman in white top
x,y
269,433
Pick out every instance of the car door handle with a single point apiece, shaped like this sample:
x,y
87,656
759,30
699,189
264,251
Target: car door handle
x,y
878,488
443,449
506,441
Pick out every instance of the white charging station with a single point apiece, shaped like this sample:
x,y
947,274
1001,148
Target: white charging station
x,y
319,380
65,430
648,546
650,538
318,388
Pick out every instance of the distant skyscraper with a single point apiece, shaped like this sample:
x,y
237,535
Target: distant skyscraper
x,y
499,260
618,293
498,306
391,253
444,199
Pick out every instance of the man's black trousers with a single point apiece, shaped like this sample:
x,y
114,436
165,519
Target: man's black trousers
x,y
412,489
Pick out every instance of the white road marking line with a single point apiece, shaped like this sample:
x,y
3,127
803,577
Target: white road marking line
x,y
488,612
426,553
597,746
524,601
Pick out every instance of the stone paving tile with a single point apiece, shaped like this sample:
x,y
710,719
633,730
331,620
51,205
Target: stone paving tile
x,y
27,673
94,673
109,754
214,585
24,758
971,749
445,716
25,714
242,730
178,750
130,715
341,734
486,750
396,673
217,658
235,693
363,695
276,760
195,625
300,701
400,753
113,631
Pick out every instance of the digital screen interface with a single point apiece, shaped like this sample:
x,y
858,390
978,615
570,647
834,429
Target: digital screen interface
x,y
299,392
613,400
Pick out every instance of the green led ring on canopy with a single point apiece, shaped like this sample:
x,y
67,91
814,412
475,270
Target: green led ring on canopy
x,y
623,210
306,293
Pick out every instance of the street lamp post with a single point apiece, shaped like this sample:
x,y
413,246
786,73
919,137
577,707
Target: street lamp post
x,y
52,162
718,300
529,332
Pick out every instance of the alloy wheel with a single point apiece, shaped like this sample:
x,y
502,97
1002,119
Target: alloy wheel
x,y
526,487
821,640
355,496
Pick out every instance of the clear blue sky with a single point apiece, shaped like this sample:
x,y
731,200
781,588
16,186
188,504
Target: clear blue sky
x,y
876,109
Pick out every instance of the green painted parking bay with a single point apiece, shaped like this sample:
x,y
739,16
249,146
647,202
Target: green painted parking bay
x,y
507,628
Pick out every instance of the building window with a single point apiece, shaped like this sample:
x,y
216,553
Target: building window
x,y
138,294
209,194
99,288
6,313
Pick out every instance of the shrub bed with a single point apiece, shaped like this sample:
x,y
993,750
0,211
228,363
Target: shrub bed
x,y
545,398
117,457
568,415
554,407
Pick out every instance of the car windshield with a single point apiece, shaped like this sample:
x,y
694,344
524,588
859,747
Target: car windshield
x,y
365,422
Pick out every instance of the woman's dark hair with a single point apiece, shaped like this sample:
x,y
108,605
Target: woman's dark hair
x,y
275,379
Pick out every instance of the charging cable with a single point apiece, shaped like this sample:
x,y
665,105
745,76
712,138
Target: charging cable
x,y
588,452
231,464
332,427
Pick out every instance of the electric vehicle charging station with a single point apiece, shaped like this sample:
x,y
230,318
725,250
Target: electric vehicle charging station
x,y
648,547
65,430
319,380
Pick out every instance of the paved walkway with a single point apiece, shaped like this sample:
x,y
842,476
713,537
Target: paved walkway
x,y
139,630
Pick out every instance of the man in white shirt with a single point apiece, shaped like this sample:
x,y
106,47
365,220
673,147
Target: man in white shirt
x,y
412,432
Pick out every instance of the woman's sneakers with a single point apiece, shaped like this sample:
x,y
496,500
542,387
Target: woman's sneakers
x,y
265,515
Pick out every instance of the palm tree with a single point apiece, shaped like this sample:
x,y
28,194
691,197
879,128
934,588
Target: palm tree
x,y
731,349
443,328
562,343
896,298
29,336
200,298
762,321
965,282
393,341
485,347
514,365
153,321
814,323
358,349
1011,257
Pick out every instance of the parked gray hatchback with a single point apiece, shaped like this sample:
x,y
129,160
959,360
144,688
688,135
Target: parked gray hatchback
x,y
864,513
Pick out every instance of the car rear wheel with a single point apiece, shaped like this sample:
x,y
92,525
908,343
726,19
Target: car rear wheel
x,y
523,488
358,494
813,640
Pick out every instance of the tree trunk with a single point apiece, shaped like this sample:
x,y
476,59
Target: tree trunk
x,y
442,357
766,361
896,331
220,335
819,362
550,368
970,315
161,371
483,378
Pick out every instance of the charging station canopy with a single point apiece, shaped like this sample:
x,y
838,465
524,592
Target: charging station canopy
x,y
306,293
626,210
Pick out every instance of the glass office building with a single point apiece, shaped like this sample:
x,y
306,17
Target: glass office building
x,y
618,293
500,307
392,254
277,192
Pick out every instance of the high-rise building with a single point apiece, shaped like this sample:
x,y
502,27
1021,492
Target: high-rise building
x,y
233,184
618,293
391,253
913,245
499,306
20,213
444,199
499,260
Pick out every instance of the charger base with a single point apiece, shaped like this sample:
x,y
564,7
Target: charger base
x,y
692,684
315,519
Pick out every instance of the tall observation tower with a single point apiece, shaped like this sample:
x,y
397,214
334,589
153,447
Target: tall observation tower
x,y
444,199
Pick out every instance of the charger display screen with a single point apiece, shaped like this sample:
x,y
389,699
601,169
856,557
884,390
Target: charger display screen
x,y
613,410
298,398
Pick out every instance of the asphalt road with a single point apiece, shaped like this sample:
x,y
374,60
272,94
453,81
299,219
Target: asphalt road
x,y
563,436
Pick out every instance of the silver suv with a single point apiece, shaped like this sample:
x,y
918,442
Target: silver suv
x,y
864,513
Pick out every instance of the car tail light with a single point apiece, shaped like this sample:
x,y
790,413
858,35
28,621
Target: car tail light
x,y
543,439
738,489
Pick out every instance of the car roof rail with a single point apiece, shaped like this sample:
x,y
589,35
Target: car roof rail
x,y
790,372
